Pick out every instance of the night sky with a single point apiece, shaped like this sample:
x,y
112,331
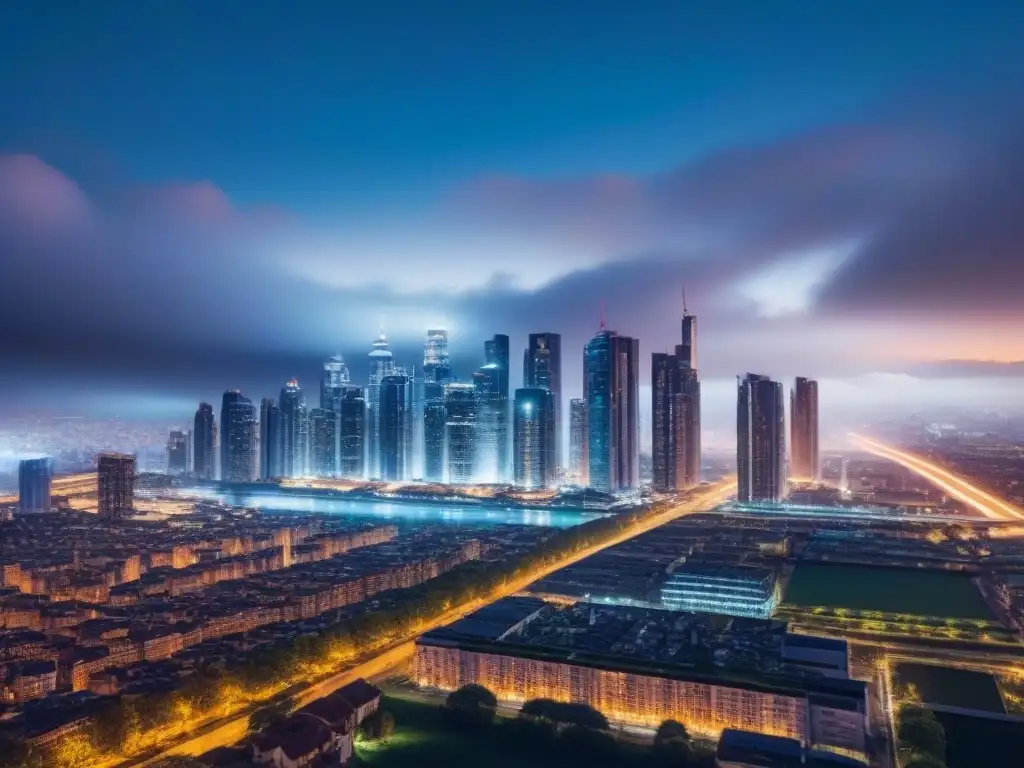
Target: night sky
x,y
202,195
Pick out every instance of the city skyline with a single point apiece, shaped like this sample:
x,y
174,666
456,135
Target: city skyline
x,y
845,217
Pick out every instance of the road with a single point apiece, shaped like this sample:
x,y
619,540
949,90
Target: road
x,y
232,729
988,504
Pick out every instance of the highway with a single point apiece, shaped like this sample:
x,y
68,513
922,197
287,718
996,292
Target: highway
x,y
988,504
232,729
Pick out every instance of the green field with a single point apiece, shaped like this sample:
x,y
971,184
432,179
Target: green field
x,y
951,687
887,590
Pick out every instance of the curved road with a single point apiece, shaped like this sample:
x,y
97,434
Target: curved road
x,y
232,729
988,504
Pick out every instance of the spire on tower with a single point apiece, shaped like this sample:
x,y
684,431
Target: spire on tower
x,y
602,314
684,298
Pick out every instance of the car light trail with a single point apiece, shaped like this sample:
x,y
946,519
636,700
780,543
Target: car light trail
x,y
989,505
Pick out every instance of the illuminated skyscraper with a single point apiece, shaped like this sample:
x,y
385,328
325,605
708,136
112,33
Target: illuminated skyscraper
x,y
352,433
115,484
294,431
395,423
534,438
491,385
203,457
460,428
760,439
675,422
34,485
323,434
578,469
176,452
334,377
434,433
381,364
803,423
496,360
238,431
542,367
270,439
436,362
611,385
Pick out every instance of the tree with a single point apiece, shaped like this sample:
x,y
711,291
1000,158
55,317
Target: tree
x,y
264,717
471,706
919,732
671,729
587,743
378,726
562,713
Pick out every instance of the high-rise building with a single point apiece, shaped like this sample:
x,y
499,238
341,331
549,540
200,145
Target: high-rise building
x,y
434,433
294,430
115,484
203,454
238,433
352,433
803,424
760,439
542,367
270,439
177,453
675,412
460,428
578,469
335,376
611,386
323,438
496,360
395,423
534,438
436,361
34,481
190,464
381,364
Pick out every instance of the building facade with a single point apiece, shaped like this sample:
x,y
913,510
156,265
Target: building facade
x,y
203,459
461,431
177,452
381,364
294,430
760,440
542,367
35,477
352,433
803,423
323,433
611,386
578,469
394,422
238,430
115,484
533,440
434,432
270,439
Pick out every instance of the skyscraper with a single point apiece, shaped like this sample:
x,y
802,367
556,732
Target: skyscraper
x,y
177,453
460,427
611,385
534,438
115,483
803,423
675,412
760,439
203,443
352,433
34,481
436,361
381,365
542,367
270,439
238,432
335,376
434,432
323,438
578,469
294,430
395,423
496,361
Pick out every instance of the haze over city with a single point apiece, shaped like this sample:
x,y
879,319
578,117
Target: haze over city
x,y
228,209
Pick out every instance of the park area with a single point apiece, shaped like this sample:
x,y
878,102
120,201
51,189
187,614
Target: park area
x,y
890,591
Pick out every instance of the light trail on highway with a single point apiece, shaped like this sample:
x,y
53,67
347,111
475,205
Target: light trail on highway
x,y
988,504
232,729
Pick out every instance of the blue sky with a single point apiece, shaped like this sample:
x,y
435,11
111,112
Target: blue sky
x,y
195,195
